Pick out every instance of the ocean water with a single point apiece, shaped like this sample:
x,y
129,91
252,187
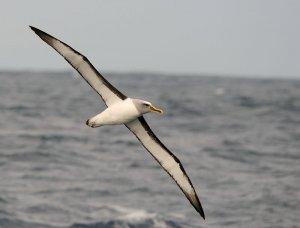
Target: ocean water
x,y
238,139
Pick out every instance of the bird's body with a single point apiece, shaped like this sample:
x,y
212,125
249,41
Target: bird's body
x,y
123,110
119,113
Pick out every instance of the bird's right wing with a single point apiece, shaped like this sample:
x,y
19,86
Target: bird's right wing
x,y
166,159
79,62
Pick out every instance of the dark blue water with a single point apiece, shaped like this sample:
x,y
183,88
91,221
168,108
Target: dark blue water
x,y
238,139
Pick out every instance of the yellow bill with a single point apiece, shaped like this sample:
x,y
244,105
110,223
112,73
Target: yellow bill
x,y
154,109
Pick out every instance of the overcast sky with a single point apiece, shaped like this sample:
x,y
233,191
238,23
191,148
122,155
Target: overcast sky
x,y
223,37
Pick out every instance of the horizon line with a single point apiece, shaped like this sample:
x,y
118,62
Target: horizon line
x,y
155,73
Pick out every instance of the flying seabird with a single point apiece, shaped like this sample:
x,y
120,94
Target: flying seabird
x,y
124,110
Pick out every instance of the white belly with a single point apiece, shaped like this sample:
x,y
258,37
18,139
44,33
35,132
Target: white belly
x,y
119,113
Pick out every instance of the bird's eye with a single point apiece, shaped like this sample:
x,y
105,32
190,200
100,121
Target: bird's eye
x,y
147,105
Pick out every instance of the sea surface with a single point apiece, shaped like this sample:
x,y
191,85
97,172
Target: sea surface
x,y
238,139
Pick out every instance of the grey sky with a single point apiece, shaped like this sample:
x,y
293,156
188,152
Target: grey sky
x,y
232,37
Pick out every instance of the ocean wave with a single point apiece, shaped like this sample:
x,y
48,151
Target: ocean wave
x,y
133,219
16,223
290,104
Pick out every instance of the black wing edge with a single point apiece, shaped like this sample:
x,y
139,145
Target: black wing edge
x,y
198,207
42,35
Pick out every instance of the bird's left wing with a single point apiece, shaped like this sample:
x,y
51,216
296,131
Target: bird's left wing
x,y
108,92
166,159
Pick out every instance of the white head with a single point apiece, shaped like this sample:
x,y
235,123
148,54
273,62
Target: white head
x,y
145,106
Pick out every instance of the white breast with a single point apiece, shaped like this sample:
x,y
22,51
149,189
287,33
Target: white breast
x,y
119,113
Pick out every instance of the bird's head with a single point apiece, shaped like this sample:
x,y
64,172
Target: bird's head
x,y
145,107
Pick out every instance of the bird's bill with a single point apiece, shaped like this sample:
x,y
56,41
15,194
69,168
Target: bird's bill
x,y
153,109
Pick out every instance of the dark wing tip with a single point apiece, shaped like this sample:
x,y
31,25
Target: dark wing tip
x,y
194,200
36,30
43,35
197,205
201,212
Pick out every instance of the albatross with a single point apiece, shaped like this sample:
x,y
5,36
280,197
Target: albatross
x,y
128,111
